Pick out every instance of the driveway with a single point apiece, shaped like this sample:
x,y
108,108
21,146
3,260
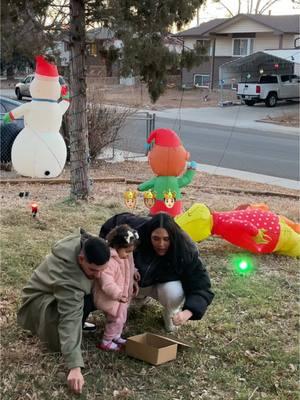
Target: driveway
x,y
239,116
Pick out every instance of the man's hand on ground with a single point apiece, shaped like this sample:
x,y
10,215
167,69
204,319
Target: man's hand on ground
x,y
75,380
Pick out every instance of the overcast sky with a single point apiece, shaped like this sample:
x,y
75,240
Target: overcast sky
x,y
211,11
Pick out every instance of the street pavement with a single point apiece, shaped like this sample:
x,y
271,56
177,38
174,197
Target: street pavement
x,y
235,116
115,155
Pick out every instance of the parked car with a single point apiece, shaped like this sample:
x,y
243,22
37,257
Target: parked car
x,y
269,89
8,132
22,88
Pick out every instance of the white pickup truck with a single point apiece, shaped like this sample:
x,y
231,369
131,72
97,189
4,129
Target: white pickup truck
x,y
269,89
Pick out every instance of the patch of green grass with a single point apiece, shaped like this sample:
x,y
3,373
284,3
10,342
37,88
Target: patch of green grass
x,y
246,345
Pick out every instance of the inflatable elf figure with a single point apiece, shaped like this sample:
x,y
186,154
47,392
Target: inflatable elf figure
x,y
168,160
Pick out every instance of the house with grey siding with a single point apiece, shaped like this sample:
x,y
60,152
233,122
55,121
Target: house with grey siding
x,y
229,38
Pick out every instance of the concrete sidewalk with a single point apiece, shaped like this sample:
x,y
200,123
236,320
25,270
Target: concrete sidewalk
x,y
243,117
238,116
116,155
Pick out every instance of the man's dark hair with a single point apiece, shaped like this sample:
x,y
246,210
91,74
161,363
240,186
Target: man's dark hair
x,y
96,250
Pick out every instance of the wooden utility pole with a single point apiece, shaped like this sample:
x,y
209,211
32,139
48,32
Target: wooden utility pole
x,y
79,148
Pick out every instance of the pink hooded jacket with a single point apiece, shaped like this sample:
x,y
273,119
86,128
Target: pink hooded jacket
x,y
116,280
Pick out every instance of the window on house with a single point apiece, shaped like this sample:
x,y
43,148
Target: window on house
x,y
205,43
242,47
92,49
201,80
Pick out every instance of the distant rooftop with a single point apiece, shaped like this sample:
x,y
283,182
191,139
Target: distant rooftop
x,y
281,23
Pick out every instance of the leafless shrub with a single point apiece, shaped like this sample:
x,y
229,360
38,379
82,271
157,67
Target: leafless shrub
x,y
104,124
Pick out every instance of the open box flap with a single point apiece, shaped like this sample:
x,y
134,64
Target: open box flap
x,y
174,340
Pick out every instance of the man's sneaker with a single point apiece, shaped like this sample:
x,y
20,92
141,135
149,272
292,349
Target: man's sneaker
x,y
89,327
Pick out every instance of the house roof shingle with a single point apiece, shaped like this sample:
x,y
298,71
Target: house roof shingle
x,y
283,23
202,29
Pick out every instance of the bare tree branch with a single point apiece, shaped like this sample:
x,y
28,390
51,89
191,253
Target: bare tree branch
x,y
226,8
267,5
250,6
257,6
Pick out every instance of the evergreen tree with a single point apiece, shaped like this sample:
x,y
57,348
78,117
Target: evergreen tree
x,y
142,25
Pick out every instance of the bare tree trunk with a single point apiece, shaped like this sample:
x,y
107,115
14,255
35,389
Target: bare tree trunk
x,y
79,149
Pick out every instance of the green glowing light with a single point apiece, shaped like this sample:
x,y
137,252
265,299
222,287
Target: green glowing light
x,y
243,265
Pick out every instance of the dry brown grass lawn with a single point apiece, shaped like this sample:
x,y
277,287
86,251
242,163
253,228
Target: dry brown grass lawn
x,y
137,96
214,190
246,347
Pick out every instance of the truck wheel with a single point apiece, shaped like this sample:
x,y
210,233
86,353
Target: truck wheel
x,y
271,100
18,94
249,102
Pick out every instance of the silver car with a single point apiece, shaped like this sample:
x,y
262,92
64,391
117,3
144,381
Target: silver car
x,y
22,88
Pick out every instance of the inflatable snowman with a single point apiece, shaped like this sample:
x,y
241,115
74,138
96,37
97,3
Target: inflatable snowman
x,y
39,150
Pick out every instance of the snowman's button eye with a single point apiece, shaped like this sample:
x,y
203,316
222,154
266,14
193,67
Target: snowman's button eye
x,y
47,173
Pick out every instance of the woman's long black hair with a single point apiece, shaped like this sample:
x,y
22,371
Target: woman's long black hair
x,y
181,247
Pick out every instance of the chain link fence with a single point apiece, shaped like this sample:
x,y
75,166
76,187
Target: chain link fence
x,y
132,138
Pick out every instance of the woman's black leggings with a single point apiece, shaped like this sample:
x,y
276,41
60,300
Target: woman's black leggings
x,y
88,307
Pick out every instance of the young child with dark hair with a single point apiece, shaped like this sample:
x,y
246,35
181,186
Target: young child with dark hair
x,y
114,287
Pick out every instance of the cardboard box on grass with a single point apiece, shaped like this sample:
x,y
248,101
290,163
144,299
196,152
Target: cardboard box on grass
x,y
152,348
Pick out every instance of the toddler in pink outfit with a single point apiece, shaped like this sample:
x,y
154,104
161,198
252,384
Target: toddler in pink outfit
x,y
114,288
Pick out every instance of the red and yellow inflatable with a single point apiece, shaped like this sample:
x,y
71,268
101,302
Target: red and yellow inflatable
x,y
252,227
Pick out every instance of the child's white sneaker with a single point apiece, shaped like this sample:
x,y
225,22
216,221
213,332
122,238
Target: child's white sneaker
x,y
119,340
108,345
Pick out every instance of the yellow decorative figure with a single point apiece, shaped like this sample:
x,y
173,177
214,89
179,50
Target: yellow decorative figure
x,y
169,198
130,199
254,229
149,198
